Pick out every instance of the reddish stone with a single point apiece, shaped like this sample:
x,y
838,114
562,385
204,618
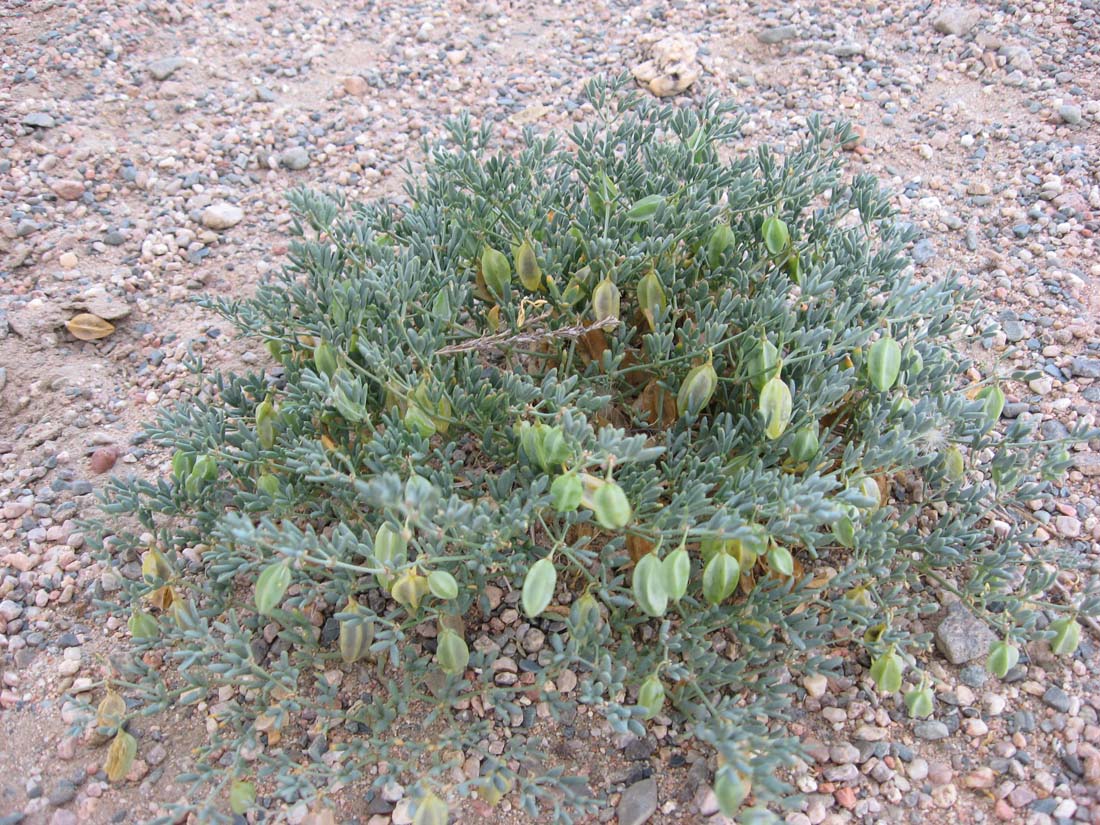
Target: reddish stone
x,y
104,459
846,798
67,190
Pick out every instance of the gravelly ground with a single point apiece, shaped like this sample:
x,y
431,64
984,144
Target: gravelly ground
x,y
123,122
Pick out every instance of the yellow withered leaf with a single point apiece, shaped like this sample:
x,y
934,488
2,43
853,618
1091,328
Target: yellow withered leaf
x,y
120,756
111,710
88,327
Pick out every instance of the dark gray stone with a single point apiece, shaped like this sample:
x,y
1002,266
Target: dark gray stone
x,y
931,730
1056,698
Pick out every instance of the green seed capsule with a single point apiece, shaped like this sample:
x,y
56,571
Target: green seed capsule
x,y
527,267
324,357
496,271
776,236
649,587
720,577
953,464
994,399
645,208
720,240
918,702
612,510
730,789
886,671
452,652
271,586
775,407
419,421
651,297
605,300
780,560
805,444
651,696
265,424
884,363
584,615
764,364
566,493
1067,636
675,572
442,585
356,635
391,550
538,587
697,390
1002,658
181,464
143,626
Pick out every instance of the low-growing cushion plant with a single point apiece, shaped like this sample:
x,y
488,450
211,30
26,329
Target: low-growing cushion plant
x,y
694,415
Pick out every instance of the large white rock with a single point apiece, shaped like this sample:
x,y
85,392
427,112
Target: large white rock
x,y
222,216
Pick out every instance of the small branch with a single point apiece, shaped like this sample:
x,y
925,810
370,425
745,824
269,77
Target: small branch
x,y
504,340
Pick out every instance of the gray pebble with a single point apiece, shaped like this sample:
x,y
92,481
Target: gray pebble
x,y
638,803
931,730
961,637
1056,698
1070,114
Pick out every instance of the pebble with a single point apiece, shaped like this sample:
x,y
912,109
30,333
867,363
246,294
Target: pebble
x,y
931,730
961,637
221,216
638,803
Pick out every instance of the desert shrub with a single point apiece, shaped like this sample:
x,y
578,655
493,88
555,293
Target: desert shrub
x,y
698,413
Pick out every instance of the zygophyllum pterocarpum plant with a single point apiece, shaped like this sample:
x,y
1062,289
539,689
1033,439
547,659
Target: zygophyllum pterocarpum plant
x,y
697,415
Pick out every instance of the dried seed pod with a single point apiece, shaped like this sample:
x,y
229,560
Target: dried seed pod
x,y
605,300
697,390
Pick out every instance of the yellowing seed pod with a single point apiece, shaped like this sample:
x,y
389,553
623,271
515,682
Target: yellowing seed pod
x,y
527,267
496,271
605,300
356,634
409,589
696,390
